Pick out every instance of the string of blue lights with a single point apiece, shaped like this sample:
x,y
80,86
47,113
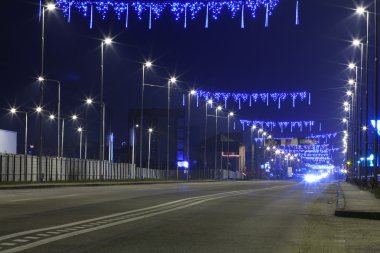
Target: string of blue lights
x,y
182,10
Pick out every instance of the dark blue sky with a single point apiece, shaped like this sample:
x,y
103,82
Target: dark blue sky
x,y
283,57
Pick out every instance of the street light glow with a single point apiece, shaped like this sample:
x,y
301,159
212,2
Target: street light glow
x,y
150,130
173,80
51,116
365,128
254,127
356,42
148,64
349,93
219,108
50,6
344,120
13,110
209,101
80,129
89,101
137,126
39,109
345,103
360,10
351,81
351,66
40,79
107,41
193,92
74,117
231,114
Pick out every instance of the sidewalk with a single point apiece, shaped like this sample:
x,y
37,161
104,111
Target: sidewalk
x,y
90,184
356,203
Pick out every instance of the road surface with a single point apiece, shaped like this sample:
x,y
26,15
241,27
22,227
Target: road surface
x,y
252,216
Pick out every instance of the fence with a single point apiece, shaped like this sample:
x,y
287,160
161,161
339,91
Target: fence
x,y
15,168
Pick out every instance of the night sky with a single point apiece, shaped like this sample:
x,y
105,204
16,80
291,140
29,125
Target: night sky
x,y
284,58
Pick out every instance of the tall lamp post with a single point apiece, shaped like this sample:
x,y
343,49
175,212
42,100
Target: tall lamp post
x,y
106,41
73,118
218,108
48,7
192,92
149,145
14,111
354,120
171,81
358,43
231,114
363,11
147,65
80,131
133,143
208,103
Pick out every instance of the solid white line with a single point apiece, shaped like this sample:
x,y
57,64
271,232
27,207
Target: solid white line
x,y
20,240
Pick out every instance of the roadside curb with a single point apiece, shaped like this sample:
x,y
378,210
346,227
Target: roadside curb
x,y
358,214
44,186
341,205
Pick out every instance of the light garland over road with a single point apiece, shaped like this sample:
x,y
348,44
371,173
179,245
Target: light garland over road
x,y
182,10
282,124
252,98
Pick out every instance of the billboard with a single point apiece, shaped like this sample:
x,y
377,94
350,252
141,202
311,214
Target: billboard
x,y
8,142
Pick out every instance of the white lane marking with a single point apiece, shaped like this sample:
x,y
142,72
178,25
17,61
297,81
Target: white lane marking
x,y
53,233
48,198
8,244
101,219
60,237
32,237
20,240
19,200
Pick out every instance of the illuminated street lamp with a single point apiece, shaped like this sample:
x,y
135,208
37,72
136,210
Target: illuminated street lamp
x,y
191,93
14,111
171,81
146,65
218,108
150,137
231,114
208,103
80,131
106,41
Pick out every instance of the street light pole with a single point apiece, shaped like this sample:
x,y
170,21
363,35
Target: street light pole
x,y
172,80
376,142
192,92
80,130
148,64
208,102
216,140
231,114
106,41
149,145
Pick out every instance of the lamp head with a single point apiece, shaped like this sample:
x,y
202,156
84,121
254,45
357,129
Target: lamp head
x,y
209,101
80,129
74,117
40,79
193,92
52,116
50,6
356,42
39,109
108,41
360,10
89,101
150,130
148,64
13,110
219,108
231,114
351,65
173,80
351,82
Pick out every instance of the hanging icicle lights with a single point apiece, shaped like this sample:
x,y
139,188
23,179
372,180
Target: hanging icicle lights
x,y
251,98
181,9
281,124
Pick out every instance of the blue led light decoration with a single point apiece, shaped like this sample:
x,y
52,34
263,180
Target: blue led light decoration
x,y
281,124
180,9
241,98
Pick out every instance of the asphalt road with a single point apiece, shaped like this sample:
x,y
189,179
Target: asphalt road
x,y
257,216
